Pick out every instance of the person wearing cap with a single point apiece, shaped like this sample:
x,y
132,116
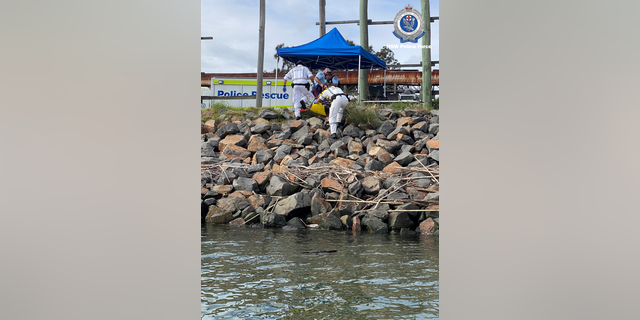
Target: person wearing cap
x,y
338,101
320,81
300,77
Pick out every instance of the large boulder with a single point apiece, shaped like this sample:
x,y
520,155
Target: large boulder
x,y
268,114
219,215
227,129
248,184
331,222
287,205
272,220
280,187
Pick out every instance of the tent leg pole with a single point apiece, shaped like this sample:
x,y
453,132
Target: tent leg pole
x,y
359,81
384,86
277,62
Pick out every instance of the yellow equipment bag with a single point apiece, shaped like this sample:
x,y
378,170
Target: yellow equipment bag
x,y
318,108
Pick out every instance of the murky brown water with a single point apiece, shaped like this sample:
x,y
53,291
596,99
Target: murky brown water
x,y
252,273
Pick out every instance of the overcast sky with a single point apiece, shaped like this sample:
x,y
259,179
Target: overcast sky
x,y
234,28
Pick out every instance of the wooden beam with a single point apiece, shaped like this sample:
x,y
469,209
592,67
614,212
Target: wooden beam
x,y
260,54
226,97
323,27
369,21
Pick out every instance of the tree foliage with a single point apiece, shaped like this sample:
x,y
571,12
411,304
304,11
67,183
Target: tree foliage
x,y
286,65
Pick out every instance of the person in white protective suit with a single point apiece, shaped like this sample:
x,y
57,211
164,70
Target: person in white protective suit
x,y
338,101
300,77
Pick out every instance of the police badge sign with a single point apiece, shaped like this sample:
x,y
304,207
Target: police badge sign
x,y
408,24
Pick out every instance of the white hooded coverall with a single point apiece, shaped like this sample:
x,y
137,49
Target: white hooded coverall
x,y
337,106
299,75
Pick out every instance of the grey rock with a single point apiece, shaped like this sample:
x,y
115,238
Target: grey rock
x,y
319,205
268,114
324,146
355,189
255,168
406,148
284,148
371,185
272,220
286,114
356,167
331,222
389,182
434,128
404,158
421,180
374,165
352,131
315,123
227,129
306,139
381,212
399,220
247,184
432,197
249,115
233,203
260,128
280,187
290,203
435,155
263,156
374,225
386,128
296,223
300,133
226,177
210,201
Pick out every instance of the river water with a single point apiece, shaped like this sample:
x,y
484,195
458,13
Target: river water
x,y
254,273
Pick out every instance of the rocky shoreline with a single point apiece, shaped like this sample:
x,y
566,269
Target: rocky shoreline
x,y
292,175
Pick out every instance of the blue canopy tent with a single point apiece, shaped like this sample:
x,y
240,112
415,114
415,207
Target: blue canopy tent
x,y
331,51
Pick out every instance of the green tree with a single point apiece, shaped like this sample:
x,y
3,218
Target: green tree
x,y
386,55
286,65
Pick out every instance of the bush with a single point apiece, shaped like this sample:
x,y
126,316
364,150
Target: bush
x,y
361,115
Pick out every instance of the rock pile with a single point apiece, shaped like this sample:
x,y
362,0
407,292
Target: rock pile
x,y
294,176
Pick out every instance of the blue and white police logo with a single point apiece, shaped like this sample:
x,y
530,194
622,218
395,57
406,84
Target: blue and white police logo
x,y
408,24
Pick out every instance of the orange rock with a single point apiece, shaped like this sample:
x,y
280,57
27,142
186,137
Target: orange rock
x,y
235,152
355,225
243,193
222,189
230,140
375,151
255,143
428,226
385,157
434,144
260,121
332,185
342,162
203,190
262,177
211,125
393,167
404,121
312,160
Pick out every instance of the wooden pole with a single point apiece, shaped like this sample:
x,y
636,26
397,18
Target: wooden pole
x,y
426,55
323,27
260,56
363,74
